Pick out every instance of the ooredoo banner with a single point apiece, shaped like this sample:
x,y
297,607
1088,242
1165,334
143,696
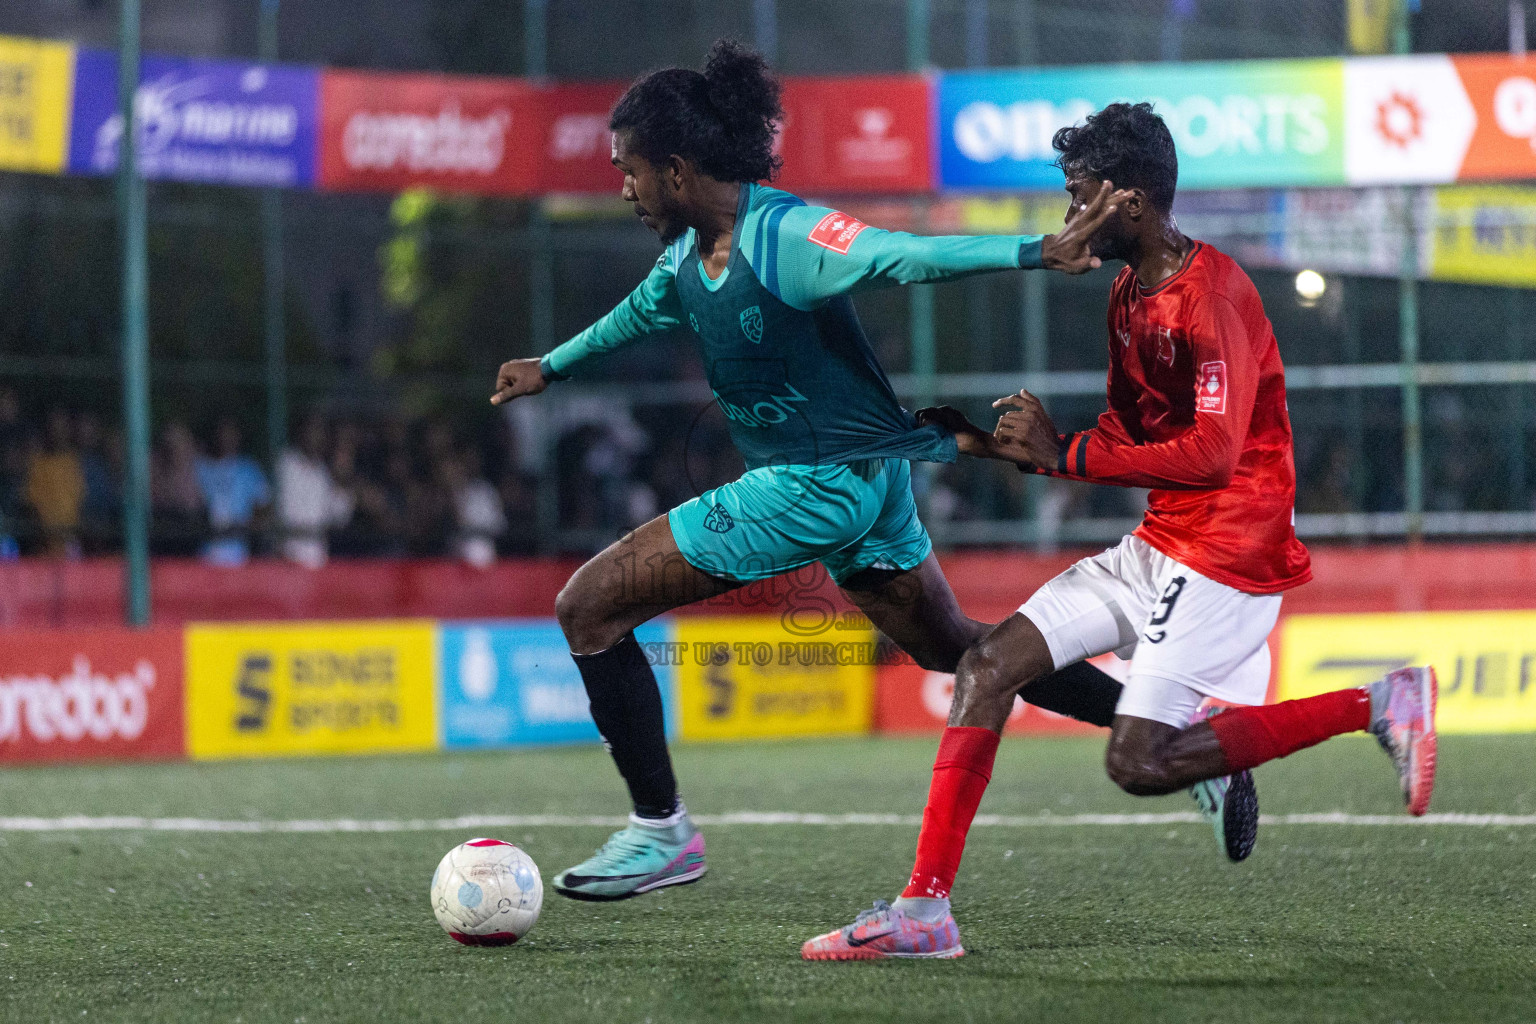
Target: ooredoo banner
x,y
69,696
864,135
388,132
911,699
220,122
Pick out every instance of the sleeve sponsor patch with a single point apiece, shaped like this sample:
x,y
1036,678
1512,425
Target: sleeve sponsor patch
x,y
836,231
1211,388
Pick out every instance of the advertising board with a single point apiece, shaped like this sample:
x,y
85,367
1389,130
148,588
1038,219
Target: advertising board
x,y
93,693
513,683
1485,661
218,122
749,677
261,689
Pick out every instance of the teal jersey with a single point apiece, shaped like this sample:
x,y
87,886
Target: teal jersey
x,y
784,353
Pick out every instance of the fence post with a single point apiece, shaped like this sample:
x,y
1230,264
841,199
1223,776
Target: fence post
x,y
132,233
274,323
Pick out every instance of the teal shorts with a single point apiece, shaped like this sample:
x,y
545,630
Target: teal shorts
x,y
777,518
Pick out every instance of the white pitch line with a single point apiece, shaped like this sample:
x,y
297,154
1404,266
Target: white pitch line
x,y
82,823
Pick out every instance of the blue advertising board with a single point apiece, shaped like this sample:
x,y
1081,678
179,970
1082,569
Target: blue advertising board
x,y
220,122
512,683
1235,124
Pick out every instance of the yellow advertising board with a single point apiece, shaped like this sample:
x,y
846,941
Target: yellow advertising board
x,y
36,79
1485,235
1485,661
255,690
748,677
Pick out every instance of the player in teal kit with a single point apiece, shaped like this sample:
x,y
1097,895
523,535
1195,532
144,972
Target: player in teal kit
x,y
761,280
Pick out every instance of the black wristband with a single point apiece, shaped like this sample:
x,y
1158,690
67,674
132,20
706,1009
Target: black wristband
x,y
548,372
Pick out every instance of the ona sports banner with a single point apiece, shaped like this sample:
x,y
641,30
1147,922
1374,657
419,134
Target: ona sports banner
x,y
386,132
36,80
1236,124
313,688
217,122
81,694
512,683
751,677
1485,661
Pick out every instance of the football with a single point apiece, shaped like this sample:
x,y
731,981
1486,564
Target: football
x,y
487,892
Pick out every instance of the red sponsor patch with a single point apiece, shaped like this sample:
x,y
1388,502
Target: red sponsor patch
x,y
836,231
1211,388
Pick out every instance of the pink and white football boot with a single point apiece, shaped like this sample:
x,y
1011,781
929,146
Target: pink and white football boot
x,y
885,931
1403,722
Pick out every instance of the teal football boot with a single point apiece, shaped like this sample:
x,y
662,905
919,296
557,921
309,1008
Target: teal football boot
x,y
1231,804
637,859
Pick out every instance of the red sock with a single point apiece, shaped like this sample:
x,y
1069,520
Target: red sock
x,y
1251,736
960,775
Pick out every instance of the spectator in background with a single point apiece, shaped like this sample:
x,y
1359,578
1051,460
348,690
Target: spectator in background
x,y
180,521
103,497
309,502
236,492
1332,490
55,487
478,516
520,504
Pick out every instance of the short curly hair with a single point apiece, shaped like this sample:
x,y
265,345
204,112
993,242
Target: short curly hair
x,y
1126,143
723,119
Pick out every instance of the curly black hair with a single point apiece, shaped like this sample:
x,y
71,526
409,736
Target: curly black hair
x,y
723,120
1126,143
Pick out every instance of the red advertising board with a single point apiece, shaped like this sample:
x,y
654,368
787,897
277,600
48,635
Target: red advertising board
x,y
71,695
577,146
387,132
909,699
865,135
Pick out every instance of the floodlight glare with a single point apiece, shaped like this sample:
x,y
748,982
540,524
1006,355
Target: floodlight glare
x,y
1310,285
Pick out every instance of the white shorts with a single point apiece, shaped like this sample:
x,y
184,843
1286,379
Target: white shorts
x,y
1187,637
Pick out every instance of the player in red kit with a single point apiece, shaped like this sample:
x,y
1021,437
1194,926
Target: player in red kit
x,y
1197,413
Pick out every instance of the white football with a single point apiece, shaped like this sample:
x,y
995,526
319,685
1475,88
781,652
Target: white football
x,y
487,892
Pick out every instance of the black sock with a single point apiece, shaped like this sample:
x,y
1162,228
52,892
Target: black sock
x,y
1078,691
626,705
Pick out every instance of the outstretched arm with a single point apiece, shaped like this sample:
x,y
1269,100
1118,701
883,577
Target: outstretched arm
x,y
651,308
811,254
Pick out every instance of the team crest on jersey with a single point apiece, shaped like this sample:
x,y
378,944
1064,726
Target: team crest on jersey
x,y
752,324
1165,350
719,520
1211,388
836,231
693,322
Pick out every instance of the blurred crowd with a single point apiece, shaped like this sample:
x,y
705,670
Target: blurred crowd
x,y
355,487
347,488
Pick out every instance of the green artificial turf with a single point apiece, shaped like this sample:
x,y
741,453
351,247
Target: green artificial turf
x,y
1064,923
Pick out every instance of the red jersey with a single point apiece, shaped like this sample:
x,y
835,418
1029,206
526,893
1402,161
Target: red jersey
x,y
1197,412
